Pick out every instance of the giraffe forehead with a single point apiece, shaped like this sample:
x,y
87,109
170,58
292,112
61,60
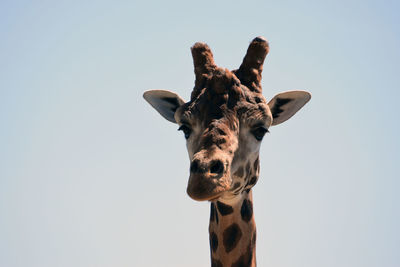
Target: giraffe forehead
x,y
228,107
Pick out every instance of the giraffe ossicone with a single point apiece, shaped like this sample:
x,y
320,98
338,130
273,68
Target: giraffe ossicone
x,y
224,123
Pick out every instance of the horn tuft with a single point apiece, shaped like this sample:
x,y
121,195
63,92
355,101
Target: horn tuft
x,y
250,71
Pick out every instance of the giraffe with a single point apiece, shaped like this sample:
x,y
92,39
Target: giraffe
x,y
223,124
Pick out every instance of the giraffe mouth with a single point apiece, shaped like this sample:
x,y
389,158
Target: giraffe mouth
x,y
215,198
203,188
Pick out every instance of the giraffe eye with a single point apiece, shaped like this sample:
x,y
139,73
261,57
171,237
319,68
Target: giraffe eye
x,y
259,132
186,130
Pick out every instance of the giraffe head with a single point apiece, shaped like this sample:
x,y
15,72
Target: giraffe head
x,y
225,121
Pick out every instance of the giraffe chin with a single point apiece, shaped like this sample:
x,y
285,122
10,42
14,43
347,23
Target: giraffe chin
x,y
203,189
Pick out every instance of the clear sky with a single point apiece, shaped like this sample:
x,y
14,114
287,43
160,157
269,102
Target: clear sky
x,y
90,175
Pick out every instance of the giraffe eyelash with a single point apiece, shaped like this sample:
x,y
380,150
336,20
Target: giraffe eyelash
x,y
259,132
186,130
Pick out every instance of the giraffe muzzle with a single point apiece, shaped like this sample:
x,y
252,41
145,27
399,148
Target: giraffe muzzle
x,y
208,179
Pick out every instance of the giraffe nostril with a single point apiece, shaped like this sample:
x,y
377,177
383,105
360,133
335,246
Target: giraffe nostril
x,y
195,167
217,167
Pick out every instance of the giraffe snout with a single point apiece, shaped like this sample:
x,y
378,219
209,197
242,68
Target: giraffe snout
x,y
208,178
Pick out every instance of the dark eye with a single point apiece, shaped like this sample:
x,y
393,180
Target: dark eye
x,y
259,132
186,130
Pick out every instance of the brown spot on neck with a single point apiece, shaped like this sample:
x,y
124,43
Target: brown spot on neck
x,y
224,209
231,237
246,211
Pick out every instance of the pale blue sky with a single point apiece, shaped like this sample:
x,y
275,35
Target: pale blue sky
x,y
90,175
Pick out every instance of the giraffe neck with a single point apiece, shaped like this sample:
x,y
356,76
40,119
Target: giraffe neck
x,y
233,232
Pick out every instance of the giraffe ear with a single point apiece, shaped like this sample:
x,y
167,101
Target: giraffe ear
x,y
284,105
165,102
